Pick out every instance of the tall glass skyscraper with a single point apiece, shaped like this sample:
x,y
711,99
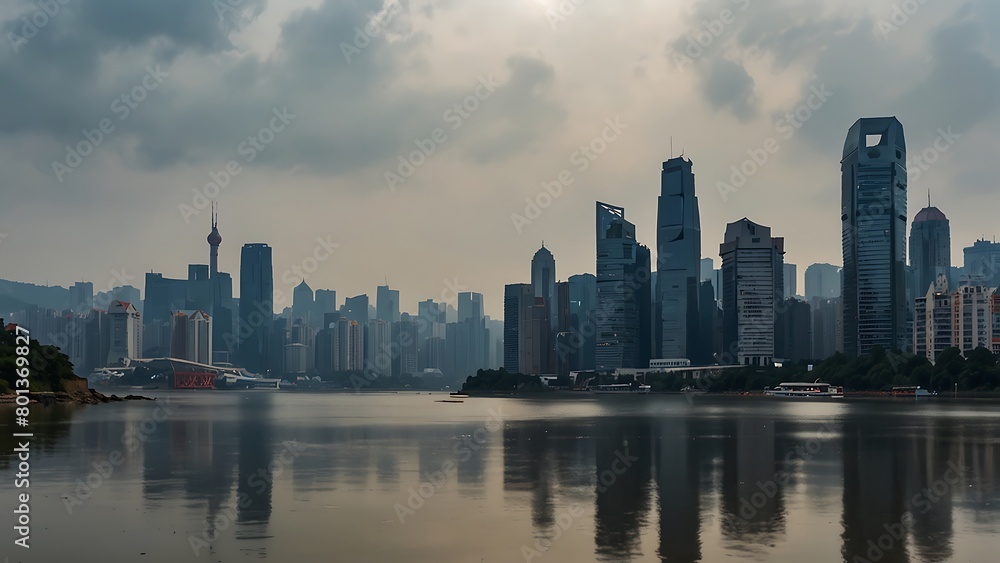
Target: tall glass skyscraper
x,y
678,257
930,249
623,293
256,308
873,217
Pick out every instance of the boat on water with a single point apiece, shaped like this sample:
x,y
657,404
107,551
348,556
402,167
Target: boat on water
x,y
806,390
620,389
693,391
912,391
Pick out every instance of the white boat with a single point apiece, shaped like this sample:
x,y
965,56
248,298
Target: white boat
x,y
693,391
806,389
620,388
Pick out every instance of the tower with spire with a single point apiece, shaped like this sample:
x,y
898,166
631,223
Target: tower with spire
x,y
214,240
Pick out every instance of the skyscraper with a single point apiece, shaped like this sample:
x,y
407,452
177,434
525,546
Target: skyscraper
x,y
256,308
379,348
623,293
791,275
126,333
873,217
302,302
751,263
81,297
982,263
678,261
387,304
930,248
543,281
356,309
517,302
583,317
822,282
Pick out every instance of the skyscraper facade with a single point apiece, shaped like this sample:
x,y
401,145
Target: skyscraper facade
x,y
678,261
982,263
518,299
543,282
256,308
822,282
623,293
750,267
583,318
873,228
387,304
930,249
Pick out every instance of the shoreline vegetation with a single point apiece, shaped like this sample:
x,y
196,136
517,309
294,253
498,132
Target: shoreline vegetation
x,y
871,375
51,379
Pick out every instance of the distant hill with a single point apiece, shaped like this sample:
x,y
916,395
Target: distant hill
x,y
9,305
49,297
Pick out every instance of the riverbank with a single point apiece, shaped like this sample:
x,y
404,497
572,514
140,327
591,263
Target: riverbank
x,y
88,397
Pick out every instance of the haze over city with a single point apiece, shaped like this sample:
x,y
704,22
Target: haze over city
x,y
714,79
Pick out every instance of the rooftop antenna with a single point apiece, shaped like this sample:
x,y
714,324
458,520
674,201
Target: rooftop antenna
x,y
928,197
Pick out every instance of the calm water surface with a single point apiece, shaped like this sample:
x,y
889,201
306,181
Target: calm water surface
x,y
216,476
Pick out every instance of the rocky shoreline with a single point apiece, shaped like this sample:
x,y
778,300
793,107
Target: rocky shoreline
x,y
88,397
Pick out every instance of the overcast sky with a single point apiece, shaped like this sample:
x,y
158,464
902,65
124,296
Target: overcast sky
x,y
199,79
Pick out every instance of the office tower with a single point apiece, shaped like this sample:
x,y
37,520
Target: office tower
x,y
538,339
163,295
297,359
379,348
873,216
933,321
325,302
751,262
302,302
822,282
342,345
96,341
982,263
707,269
125,333
356,342
470,306
974,318
790,275
433,353
404,337
518,298
543,282
431,311
583,317
561,307
256,308
793,330
197,337
708,312
930,248
356,309
678,261
81,297
623,281
387,304
827,328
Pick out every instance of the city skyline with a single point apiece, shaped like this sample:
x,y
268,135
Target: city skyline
x,y
313,182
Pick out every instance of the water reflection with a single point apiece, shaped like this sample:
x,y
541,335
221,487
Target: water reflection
x,y
868,482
